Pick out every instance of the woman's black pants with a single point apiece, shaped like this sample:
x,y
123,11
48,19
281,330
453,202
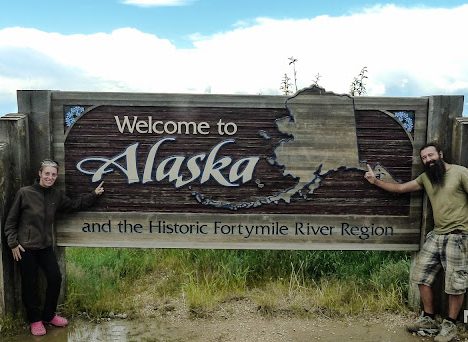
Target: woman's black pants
x,y
31,261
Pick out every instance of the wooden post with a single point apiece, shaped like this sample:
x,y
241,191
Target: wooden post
x,y
460,156
37,105
414,299
460,141
7,300
14,167
443,111
442,114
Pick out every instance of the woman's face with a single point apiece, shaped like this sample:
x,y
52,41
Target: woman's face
x,y
47,176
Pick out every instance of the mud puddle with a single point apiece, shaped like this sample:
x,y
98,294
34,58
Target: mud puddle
x,y
232,329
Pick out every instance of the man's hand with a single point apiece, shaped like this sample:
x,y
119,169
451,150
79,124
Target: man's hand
x,y
370,175
392,187
99,190
17,252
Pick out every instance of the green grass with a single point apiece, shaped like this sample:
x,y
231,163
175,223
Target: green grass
x,y
330,283
336,282
97,276
10,325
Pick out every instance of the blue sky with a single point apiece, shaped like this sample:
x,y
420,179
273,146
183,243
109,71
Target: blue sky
x,y
175,22
410,48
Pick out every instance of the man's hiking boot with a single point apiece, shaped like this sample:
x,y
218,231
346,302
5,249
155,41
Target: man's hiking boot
x,y
447,332
424,323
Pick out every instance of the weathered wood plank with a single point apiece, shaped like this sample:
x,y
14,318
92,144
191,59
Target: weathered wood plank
x,y
460,141
36,104
401,166
151,99
169,230
14,173
7,297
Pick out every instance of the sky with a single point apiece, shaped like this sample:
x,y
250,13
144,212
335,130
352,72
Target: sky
x,y
409,48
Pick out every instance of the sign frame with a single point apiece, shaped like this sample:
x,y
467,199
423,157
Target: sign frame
x,y
78,230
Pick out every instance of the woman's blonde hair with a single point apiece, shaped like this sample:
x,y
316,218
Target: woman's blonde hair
x,y
49,162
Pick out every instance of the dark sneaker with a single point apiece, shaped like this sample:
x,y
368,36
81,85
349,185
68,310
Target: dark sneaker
x,y
425,323
447,332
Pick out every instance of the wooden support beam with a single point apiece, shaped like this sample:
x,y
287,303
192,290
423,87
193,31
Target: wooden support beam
x,y
14,173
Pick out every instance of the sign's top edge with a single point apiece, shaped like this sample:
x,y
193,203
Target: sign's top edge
x,y
59,94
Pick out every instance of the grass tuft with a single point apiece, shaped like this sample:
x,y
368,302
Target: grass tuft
x,y
10,325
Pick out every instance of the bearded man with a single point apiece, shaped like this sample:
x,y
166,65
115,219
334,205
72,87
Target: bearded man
x,y
447,245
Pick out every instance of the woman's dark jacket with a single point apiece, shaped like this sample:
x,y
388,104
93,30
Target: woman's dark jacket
x,y
31,217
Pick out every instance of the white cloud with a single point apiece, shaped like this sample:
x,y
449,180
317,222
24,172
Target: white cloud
x,y
408,52
156,3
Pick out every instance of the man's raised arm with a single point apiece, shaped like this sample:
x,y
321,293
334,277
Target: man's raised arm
x,y
392,187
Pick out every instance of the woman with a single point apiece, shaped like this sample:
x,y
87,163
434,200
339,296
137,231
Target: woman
x,y
29,234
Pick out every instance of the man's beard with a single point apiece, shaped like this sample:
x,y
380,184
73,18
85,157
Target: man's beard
x,y
435,170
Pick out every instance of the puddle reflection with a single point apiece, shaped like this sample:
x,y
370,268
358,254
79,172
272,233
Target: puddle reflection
x,y
79,331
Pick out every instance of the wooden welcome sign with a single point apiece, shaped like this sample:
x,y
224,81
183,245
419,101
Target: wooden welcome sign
x,y
248,172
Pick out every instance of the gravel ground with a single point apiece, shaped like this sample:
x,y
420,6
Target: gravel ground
x,y
237,320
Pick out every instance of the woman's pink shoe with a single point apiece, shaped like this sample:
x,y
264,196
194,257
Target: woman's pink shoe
x,y
38,329
58,321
